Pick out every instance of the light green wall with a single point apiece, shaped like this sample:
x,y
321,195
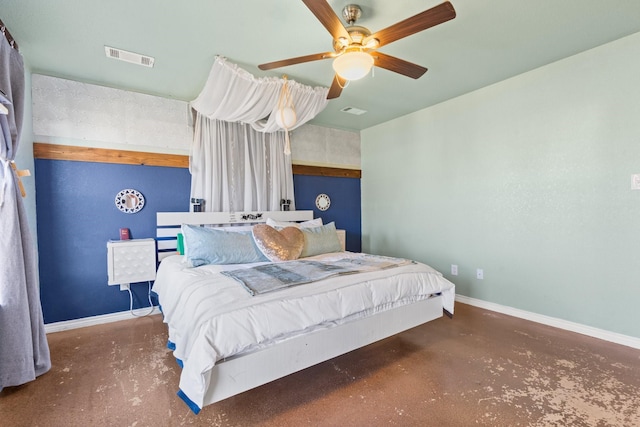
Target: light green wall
x,y
528,179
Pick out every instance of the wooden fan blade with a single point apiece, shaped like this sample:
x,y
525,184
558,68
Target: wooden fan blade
x,y
398,65
427,19
298,60
327,17
336,87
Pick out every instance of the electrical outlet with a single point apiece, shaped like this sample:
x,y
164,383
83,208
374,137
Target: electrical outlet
x,y
479,274
454,270
635,181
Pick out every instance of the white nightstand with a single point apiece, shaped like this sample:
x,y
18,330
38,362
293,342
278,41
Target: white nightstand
x,y
131,261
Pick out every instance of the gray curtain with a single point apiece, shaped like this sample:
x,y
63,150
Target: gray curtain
x,y
24,352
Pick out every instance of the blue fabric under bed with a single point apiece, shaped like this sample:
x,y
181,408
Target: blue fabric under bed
x,y
195,408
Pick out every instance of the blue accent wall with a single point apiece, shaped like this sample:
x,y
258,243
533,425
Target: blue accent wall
x,y
76,217
345,203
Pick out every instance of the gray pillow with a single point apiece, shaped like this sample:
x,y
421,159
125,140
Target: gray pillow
x,y
320,240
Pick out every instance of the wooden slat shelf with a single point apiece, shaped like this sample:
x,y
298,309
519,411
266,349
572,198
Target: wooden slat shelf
x,y
326,171
105,155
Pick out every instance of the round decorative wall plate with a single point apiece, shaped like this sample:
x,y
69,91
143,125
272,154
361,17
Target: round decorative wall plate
x,y
323,202
129,201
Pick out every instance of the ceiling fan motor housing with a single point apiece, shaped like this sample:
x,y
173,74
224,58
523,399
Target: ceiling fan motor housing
x,y
351,13
357,34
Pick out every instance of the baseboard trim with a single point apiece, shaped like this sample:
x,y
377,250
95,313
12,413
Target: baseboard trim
x,y
96,320
553,321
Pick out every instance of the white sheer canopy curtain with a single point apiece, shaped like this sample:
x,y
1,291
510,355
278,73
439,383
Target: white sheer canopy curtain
x,y
235,168
24,352
237,159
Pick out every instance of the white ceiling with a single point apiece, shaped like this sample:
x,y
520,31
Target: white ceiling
x,y
487,42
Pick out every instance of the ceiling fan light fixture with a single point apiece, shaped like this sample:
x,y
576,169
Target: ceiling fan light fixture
x,y
353,65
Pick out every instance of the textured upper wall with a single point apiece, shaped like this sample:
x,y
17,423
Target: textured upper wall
x,y
100,116
320,146
74,113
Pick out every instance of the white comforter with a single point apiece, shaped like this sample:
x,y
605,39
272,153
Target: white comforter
x,y
211,317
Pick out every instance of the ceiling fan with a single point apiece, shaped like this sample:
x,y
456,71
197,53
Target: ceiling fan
x,y
355,47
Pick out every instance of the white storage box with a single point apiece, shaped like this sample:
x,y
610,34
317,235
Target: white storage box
x,y
131,261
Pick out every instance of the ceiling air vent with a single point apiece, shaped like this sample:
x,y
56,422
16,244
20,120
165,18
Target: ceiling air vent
x,y
353,110
134,58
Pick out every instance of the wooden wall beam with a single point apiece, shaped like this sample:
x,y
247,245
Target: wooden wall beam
x,y
325,171
105,155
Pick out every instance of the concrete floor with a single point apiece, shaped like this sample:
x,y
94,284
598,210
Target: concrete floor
x,y
479,368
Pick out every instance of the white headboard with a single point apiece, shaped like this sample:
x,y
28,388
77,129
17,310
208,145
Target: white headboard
x,y
169,223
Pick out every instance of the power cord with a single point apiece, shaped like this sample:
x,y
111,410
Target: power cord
x,y
131,301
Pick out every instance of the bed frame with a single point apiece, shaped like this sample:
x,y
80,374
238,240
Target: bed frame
x,y
244,372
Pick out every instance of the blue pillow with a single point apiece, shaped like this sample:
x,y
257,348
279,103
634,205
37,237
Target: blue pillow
x,y
210,246
320,240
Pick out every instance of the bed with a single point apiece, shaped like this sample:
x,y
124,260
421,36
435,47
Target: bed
x,y
230,335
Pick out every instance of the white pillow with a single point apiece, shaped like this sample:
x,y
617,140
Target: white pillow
x,y
312,223
234,228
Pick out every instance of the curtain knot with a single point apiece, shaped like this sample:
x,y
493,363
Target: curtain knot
x,y
10,167
20,174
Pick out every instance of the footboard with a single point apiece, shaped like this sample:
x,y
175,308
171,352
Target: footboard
x,y
241,373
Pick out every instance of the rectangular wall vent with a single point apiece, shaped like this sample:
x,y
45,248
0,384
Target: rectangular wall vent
x,y
353,110
134,58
